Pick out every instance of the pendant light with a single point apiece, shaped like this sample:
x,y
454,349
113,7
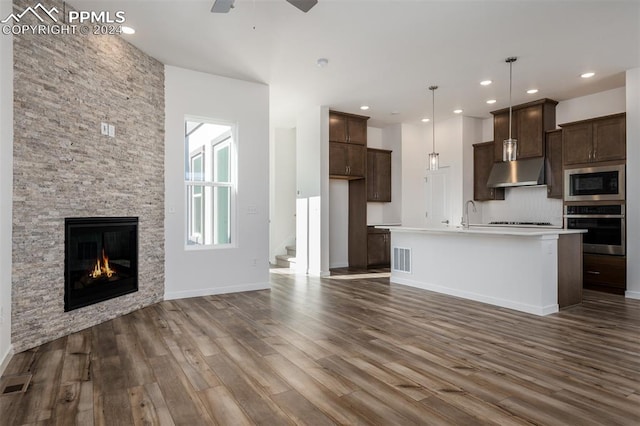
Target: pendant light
x,y
510,146
434,156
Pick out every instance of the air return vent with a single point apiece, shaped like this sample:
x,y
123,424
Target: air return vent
x,y
401,259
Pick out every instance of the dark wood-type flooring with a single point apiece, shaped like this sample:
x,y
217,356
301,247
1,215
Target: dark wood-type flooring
x,y
350,349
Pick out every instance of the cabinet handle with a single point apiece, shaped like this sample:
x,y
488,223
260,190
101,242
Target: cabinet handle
x,y
593,272
594,154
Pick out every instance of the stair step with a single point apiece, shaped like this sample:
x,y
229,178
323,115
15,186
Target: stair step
x,y
291,250
285,260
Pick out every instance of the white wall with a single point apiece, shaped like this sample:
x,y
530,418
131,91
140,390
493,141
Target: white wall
x,y
596,105
244,267
338,223
414,167
312,182
633,182
6,182
282,190
454,138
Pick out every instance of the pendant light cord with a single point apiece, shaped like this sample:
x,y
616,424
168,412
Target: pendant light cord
x,y
511,60
433,125
433,109
510,103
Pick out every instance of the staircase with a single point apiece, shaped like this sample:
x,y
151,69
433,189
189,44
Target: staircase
x,y
287,260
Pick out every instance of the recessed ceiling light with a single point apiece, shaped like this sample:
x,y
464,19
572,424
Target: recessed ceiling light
x,y
532,91
128,30
588,74
322,62
491,101
425,120
457,111
364,107
486,82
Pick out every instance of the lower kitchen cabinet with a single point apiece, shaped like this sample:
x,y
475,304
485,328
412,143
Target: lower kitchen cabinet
x,y
605,273
378,247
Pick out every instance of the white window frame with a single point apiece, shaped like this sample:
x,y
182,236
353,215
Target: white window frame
x,y
208,182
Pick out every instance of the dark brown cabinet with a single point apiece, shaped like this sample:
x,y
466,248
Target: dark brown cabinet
x,y
553,166
378,175
378,247
594,140
482,164
528,125
347,128
608,273
347,161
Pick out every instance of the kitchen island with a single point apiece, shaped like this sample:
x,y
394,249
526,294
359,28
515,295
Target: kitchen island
x,y
533,270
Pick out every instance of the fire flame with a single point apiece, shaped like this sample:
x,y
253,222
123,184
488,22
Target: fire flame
x,y
102,268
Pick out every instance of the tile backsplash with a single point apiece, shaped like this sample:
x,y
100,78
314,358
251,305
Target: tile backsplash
x,y
524,204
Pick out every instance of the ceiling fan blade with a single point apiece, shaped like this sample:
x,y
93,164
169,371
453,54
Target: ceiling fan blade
x,y
222,6
303,5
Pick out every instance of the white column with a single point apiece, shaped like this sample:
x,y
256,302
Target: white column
x,y
6,186
633,183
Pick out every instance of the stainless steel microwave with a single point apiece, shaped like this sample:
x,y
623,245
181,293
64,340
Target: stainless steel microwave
x,y
600,183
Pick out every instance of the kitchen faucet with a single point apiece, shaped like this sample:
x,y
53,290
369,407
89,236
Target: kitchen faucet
x,y
465,218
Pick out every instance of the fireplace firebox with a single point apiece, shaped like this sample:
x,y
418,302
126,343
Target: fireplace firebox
x,y
101,259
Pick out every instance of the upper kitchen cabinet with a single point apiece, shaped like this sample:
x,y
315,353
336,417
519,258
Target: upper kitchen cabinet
x,y
347,145
528,125
482,164
378,175
347,128
347,161
553,166
594,140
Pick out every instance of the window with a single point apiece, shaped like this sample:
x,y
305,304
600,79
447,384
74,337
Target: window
x,y
209,183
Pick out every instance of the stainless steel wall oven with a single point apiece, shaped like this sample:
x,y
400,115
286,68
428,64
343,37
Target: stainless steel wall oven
x,y
605,223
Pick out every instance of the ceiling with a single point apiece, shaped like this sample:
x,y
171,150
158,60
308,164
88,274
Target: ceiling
x,y
386,53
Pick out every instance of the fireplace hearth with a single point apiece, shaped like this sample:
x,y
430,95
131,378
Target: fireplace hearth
x,y
101,259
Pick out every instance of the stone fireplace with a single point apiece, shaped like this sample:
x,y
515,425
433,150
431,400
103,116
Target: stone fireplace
x,y
65,87
101,259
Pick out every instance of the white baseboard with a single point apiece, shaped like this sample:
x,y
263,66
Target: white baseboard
x,y
339,265
6,357
632,294
172,295
504,303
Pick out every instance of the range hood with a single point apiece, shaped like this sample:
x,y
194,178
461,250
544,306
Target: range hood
x,y
517,173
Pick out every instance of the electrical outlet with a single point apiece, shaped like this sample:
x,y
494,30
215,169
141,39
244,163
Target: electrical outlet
x,y
255,262
112,131
104,129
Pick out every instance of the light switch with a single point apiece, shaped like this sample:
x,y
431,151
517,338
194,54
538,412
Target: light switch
x,y
104,129
112,131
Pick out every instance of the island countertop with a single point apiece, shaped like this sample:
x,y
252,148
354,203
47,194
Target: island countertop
x,y
488,230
